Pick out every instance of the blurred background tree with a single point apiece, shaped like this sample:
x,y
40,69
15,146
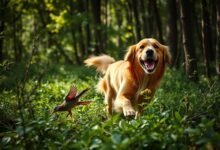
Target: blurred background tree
x,y
43,44
71,30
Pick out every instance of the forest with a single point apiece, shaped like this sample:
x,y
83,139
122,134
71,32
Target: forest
x,y
43,44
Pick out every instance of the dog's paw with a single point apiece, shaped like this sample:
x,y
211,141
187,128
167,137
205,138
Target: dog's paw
x,y
129,112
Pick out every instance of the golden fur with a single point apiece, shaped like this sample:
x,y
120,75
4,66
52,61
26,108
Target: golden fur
x,y
125,81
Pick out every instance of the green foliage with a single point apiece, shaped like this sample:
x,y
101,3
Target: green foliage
x,y
183,115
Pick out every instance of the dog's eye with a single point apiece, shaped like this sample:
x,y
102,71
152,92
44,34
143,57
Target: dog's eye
x,y
142,47
155,46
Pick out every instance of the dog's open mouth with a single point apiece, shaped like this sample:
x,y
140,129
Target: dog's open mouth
x,y
149,65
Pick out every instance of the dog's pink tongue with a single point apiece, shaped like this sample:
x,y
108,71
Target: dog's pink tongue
x,y
149,64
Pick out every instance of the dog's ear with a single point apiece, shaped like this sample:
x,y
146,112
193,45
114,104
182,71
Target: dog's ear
x,y
130,55
167,55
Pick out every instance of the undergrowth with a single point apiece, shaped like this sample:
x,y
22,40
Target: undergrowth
x,y
182,115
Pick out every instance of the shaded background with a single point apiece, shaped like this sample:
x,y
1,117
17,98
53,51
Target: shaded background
x,y
71,30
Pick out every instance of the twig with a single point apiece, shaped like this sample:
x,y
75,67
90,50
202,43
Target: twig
x,y
22,100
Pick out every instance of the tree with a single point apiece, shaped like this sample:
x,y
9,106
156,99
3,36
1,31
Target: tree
x,y
188,40
206,37
136,18
172,31
96,10
74,28
218,38
3,6
87,28
130,22
71,30
144,18
154,21
17,32
158,21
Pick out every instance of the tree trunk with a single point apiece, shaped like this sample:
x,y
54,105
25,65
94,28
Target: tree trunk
x,y
206,37
218,39
137,21
96,10
105,33
87,28
62,51
81,35
151,24
129,18
144,18
3,6
74,34
172,31
119,20
77,59
188,42
17,26
158,21
81,42
2,26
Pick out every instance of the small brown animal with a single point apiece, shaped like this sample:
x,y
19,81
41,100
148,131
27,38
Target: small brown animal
x,y
71,101
125,81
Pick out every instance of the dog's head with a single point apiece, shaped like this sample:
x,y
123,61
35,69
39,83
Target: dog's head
x,y
149,53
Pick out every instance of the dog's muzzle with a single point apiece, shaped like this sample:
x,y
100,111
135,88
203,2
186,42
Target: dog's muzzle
x,y
149,61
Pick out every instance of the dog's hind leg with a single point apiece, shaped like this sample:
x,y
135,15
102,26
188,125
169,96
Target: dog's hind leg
x,y
109,95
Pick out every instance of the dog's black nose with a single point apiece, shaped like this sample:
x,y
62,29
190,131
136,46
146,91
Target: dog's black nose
x,y
149,52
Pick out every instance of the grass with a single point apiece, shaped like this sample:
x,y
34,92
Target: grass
x,y
183,115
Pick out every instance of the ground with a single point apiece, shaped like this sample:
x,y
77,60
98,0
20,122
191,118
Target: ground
x,y
183,114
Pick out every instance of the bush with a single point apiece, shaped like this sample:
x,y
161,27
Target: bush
x,y
183,115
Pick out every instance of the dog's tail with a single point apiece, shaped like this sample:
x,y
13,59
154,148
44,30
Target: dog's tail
x,y
100,62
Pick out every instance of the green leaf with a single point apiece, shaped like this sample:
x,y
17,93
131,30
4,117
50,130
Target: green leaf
x,y
178,116
116,138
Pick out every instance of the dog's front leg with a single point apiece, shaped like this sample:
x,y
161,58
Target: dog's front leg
x,y
126,97
126,105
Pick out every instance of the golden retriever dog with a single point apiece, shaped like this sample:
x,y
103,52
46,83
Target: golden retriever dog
x,y
126,83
